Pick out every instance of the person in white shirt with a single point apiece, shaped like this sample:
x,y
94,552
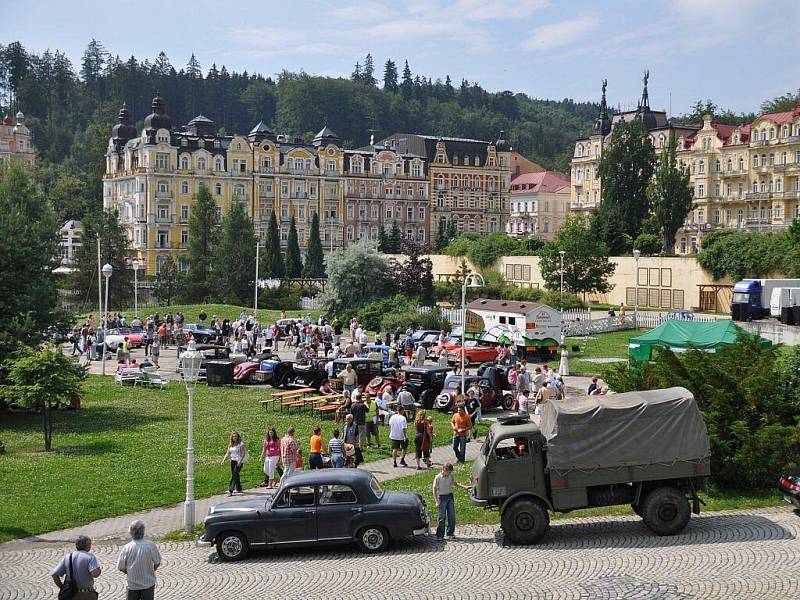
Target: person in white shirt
x,y
357,336
444,358
81,568
384,401
139,560
419,356
398,426
329,368
522,401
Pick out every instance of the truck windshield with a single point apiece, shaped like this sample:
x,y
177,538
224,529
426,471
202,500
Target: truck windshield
x,y
741,298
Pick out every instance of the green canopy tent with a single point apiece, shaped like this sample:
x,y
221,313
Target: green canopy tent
x,y
679,336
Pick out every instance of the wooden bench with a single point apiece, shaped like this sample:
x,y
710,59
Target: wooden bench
x,y
287,398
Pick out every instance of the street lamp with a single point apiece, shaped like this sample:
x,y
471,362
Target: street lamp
x,y
191,360
107,270
135,264
473,280
561,254
636,254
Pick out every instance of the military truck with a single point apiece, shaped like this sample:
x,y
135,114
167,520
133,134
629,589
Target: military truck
x,y
647,449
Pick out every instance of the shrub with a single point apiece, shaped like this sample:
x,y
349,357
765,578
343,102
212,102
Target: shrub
x,y
281,298
401,320
372,314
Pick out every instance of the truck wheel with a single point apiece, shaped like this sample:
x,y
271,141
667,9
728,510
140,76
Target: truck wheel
x,y
665,511
637,509
525,521
231,546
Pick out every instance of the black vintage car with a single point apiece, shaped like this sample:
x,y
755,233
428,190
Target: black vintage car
x,y
312,507
425,383
490,395
295,375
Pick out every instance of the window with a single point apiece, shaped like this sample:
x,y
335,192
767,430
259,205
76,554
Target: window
x,y
410,213
701,191
701,167
755,161
267,163
388,213
218,210
296,496
416,170
184,187
350,235
331,166
421,213
718,166
350,211
184,213
779,185
771,160
218,189
201,164
218,165
163,187
184,236
184,163
162,160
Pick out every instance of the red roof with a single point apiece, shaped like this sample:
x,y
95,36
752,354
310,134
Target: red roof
x,y
543,181
781,117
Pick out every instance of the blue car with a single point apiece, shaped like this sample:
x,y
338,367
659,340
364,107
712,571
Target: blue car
x,y
382,348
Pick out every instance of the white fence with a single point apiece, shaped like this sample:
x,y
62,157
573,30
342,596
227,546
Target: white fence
x,y
307,303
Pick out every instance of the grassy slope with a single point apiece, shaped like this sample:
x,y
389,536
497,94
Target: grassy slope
x,y
224,311
466,512
125,450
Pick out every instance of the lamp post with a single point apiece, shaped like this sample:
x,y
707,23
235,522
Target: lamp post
x,y
636,254
255,294
561,254
135,264
473,280
107,270
190,367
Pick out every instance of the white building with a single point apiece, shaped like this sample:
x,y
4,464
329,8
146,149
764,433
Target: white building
x,y
539,204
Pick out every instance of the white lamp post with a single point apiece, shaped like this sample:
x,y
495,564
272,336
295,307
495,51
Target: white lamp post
x,y
135,264
473,280
561,254
107,270
636,255
191,360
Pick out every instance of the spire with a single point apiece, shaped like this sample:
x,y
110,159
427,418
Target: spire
x,y
602,126
644,103
603,106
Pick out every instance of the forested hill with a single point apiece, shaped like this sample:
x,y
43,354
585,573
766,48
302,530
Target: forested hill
x,y
62,100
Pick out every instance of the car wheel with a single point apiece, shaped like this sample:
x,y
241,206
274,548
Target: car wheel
x,y
665,511
253,378
525,521
231,546
373,539
507,401
443,403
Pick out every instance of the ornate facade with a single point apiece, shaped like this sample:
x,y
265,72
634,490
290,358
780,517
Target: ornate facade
x,y
15,141
153,175
539,204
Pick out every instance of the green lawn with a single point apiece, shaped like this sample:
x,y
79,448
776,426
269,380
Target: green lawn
x,y
466,512
223,311
125,451
603,345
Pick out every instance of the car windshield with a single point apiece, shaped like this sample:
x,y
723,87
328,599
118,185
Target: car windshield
x,y
137,329
453,384
376,487
487,444
124,330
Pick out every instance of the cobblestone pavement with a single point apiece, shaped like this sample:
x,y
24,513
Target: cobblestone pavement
x,y
733,555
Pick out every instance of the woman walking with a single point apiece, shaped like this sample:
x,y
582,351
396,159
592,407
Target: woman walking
x,y
271,455
315,450
422,439
237,454
336,450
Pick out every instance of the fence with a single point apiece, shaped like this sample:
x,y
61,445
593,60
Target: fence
x,y
309,303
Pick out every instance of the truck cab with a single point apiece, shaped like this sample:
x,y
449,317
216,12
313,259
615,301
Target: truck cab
x,y
747,302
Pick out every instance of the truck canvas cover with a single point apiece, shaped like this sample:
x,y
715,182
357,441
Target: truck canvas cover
x,y
622,430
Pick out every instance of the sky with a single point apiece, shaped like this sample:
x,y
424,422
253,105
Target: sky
x,y
734,52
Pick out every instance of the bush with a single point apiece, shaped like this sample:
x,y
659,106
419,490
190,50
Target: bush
x,y
648,244
484,250
281,298
372,314
750,400
497,287
401,320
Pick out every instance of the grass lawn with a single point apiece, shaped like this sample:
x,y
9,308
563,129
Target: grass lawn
x,y
125,451
602,345
466,512
224,311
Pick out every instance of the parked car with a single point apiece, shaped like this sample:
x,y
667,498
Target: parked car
x,y
313,507
425,383
491,396
258,369
425,337
209,352
681,315
311,375
474,352
789,487
202,333
366,369
381,349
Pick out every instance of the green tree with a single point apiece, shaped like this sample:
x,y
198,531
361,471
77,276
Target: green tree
x,y
294,264
383,240
395,239
670,194
356,277
626,169
202,241
390,76
315,262
407,84
782,103
440,241
234,263
114,250
368,73
452,232
586,264
272,259
28,247
169,282
412,274
41,380
648,244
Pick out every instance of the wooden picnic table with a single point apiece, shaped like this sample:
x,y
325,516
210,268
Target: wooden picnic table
x,y
285,397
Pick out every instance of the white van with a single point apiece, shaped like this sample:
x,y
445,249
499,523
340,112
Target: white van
x,y
782,297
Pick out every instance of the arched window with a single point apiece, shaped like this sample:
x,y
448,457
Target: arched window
x,y
477,161
218,164
184,163
201,164
730,165
218,189
455,159
785,131
702,167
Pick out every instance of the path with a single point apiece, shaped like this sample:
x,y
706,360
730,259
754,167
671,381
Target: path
x,y
742,555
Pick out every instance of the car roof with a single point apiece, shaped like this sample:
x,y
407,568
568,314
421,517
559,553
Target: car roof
x,y
329,476
426,369
356,359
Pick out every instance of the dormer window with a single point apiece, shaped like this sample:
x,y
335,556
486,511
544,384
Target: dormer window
x,y
455,159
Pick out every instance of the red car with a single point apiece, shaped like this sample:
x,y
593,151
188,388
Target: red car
x,y
474,352
135,335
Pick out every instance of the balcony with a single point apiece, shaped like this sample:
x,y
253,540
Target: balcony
x,y
165,220
732,173
440,187
331,197
331,173
299,195
759,143
296,171
792,139
758,195
164,195
267,170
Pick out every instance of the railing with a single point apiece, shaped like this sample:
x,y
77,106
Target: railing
x,y
307,303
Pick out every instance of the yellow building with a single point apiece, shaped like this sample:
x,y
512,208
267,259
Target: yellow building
x,y
15,141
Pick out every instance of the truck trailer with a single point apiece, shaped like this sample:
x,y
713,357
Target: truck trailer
x,y
752,297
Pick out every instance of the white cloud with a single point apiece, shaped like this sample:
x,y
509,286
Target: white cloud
x,y
560,34
263,42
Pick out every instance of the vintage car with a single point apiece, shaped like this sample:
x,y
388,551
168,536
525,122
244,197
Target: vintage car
x,y
366,369
296,375
201,333
425,338
313,507
114,337
209,352
491,396
497,374
789,487
258,369
424,383
381,349
474,352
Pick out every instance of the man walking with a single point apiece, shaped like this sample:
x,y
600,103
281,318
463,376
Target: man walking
x,y
461,424
80,568
139,560
289,449
352,436
398,426
443,486
358,411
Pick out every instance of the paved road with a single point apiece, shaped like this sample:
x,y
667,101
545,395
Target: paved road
x,y
736,555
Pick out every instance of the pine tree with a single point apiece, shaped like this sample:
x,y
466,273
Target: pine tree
x,y
235,257
202,238
368,74
671,194
315,263
356,74
294,264
440,242
407,85
390,76
271,258
383,240
395,241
